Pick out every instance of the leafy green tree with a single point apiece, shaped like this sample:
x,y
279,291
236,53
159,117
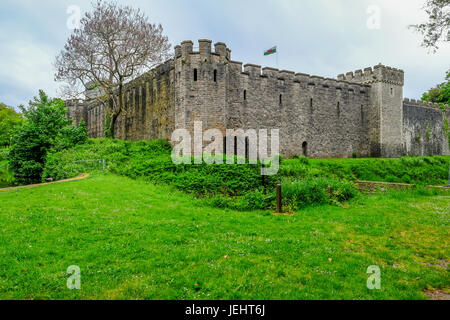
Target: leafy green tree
x,y
70,136
46,127
10,121
440,94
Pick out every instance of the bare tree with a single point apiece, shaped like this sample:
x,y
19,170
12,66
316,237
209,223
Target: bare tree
x,y
438,26
113,45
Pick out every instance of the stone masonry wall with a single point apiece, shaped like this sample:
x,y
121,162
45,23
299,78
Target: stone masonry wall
x,y
386,112
149,108
317,117
446,134
423,129
334,125
76,111
359,113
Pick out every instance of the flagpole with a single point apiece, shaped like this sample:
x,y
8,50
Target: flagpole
x,y
277,59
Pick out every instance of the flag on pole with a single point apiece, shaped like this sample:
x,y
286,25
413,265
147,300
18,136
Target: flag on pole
x,y
270,51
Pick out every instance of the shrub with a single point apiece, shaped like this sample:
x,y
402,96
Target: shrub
x,y
4,154
152,161
304,160
10,121
316,191
254,200
69,137
46,125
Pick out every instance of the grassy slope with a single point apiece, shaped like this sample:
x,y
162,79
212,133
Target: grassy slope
x,y
135,240
415,170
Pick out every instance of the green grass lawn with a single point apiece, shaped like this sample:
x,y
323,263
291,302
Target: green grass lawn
x,y
134,240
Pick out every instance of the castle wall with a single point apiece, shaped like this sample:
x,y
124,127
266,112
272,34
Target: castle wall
x,y
446,148
201,86
96,120
76,111
386,112
423,129
359,113
149,106
336,125
329,116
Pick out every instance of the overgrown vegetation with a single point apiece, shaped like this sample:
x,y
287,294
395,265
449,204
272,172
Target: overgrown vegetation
x,y
317,191
432,170
440,94
10,121
152,161
46,128
305,181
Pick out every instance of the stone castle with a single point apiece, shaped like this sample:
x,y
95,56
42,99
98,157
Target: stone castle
x,y
361,112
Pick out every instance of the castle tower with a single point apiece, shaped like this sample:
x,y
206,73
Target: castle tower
x,y
386,108
201,82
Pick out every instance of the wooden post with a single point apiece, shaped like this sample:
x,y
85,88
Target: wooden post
x,y
448,178
279,199
263,176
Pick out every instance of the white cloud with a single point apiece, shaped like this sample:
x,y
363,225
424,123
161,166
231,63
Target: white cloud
x,y
27,66
322,37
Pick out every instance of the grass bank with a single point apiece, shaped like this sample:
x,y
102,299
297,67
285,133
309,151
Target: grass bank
x,y
305,182
135,240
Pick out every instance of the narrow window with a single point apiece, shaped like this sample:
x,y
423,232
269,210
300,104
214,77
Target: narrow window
x,y
224,145
215,75
311,105
305,149
245,95
281,99
247,148
392,91
195,74
339,109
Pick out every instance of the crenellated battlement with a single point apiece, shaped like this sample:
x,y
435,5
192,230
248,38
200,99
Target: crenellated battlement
x,y
420,103
186,48
379,73
362,111
256,71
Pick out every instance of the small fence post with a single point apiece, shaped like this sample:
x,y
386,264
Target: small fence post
x,y
448,178
103,164
263,176
279,199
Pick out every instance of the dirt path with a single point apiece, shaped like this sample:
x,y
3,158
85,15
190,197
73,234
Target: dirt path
x,y
80,177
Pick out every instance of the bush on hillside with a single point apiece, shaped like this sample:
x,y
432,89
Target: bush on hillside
x,y
152,161
10,121
46,127
4,154
316,191
415,170
305,181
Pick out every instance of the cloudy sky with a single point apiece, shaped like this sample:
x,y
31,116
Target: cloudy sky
x,y
320,37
